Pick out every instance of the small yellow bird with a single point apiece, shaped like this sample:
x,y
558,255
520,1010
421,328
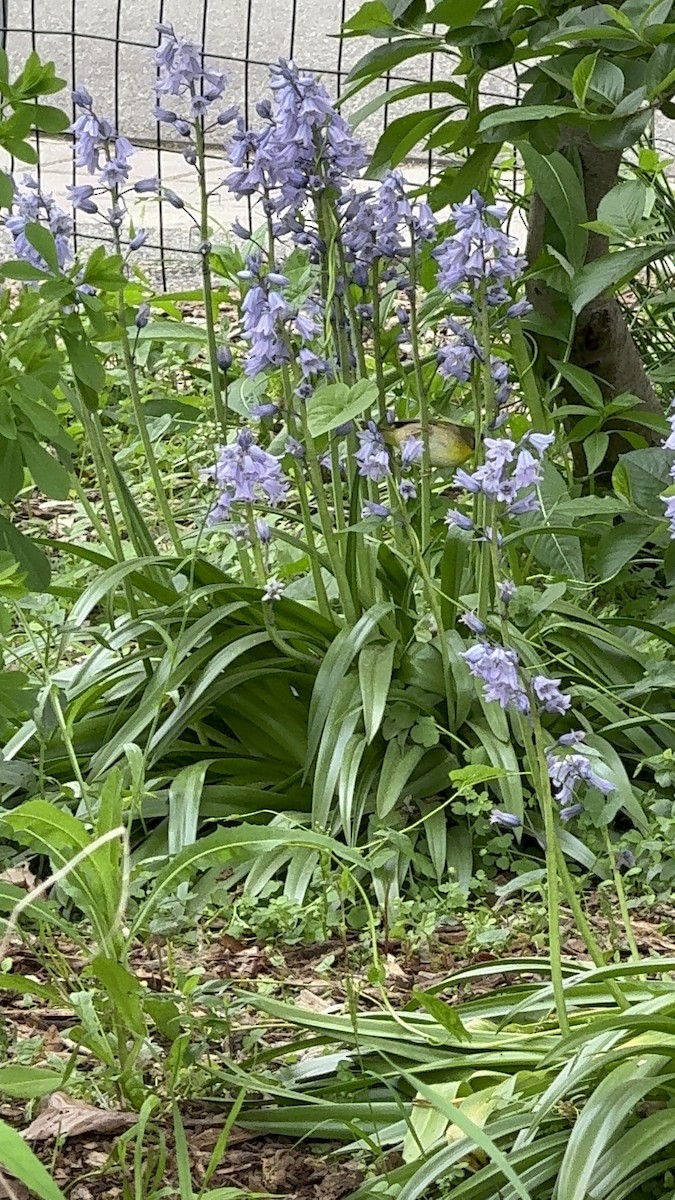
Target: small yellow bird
x,y
449,445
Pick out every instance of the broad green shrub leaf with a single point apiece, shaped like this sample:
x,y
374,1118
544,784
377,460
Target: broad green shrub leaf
x,y
34,564
619,546
383,58
582,381
49,474
455,13
581,77
375,666
455,186
595,449
642,476
6,190
401,135
561,190
446,1016
17,1158
373,18
622,211
43,241
407,92
612,270
335,404
525,114
28,1083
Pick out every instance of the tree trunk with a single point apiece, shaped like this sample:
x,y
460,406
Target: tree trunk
x,y
602,340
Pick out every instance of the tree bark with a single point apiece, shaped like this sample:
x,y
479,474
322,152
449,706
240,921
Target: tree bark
x,y
602,341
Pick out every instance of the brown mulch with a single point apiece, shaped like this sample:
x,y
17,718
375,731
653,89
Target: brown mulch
x,y
89,1166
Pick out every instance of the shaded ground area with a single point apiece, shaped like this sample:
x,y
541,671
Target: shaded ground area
x,y
98,1161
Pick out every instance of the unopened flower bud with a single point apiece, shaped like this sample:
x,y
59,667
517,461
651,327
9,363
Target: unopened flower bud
x,y
224,358
143,316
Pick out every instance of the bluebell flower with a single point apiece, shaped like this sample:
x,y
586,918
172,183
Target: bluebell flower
x,y
372,455
568,771
373,509
411,451
224,358
147,186
80,196
273,590
30,205
472,622
497,669
509,470
181,69
99,147
264,411
263,530
506,591
246,473
454,518
295,448
549,695
570,811
625,859
407,490
510,820
572,738
139,239
478,251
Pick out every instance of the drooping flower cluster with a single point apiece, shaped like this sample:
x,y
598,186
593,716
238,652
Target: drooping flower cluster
x,y
372,454
273,326
499,671
99,149
182,74
570,771
381,224
478,253
478,261
246,473
33,206
510,474
304,146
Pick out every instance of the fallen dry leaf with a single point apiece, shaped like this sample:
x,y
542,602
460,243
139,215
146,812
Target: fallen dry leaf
x,y
313,1002
61,1116
12,1189
393,970
20,876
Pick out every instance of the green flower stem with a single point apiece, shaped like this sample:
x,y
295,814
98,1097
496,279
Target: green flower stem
x,y
484,414
552,878
92,431
219,396
334,553
130,368
314,558
377,344
353,317
587,934
245,564
540,418
434,605
148,448
255,546
425,473
621,896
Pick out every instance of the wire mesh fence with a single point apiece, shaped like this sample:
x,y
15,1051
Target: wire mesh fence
x,y
109,45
